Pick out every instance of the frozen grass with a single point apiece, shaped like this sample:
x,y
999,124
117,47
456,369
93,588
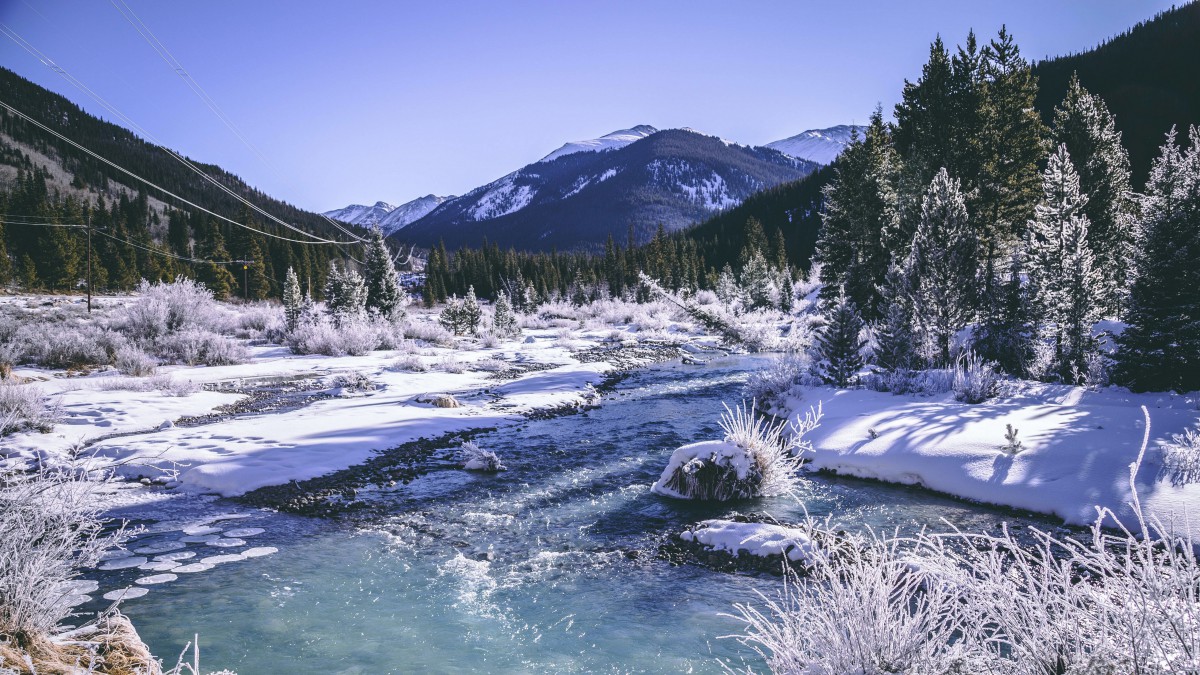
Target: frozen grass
x,y
771,384
197,346
755,459
1114,602
51,527
23,406
1181,457
448,363
975,380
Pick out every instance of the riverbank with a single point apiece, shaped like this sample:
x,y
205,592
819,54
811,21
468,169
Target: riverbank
x,y
1076,448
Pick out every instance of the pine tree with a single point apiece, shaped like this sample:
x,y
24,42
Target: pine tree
x,y
839,346
1083,123
452,317
293,302
214,274
860,218
1005,333
383,290
504,320
345,293
259,281
941,267
471,313
6,266
895,348
727,288
1064,287
758,282
1160,349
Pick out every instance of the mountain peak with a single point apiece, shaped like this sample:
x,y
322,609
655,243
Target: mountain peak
x,y
818,145
610,141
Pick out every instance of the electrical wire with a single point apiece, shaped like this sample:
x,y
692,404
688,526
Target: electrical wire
x,y
49,63
174,64
83,226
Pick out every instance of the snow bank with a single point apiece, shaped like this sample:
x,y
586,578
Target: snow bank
x,y
757,539
1077,447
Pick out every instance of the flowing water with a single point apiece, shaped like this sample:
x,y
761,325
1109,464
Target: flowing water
x,y
551,566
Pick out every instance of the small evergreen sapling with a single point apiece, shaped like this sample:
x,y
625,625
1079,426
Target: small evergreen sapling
x,y
839,346
383,290
293,302
504,320
345,293
472,315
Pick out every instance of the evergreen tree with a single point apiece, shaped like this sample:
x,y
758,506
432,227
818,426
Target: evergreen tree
x,y
259,282
6,266
504,320
1083,124
895,348
452,317
1160,349
839,347
1064,286
1005,334
214,274
345,293
727,288
383,289
293,302
1011,147
860,219
471,313
758,282
941,267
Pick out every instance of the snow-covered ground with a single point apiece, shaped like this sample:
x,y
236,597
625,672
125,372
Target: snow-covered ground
x,y
1077,447
136,430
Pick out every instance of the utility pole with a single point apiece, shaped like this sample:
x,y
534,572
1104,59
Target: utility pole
x,y
89,229
245,277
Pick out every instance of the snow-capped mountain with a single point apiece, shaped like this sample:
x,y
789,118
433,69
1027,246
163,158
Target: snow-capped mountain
x,y
386,217
818,145
362,215
613,141
577,199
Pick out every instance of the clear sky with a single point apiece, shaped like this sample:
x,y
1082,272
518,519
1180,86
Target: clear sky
x,y
353,101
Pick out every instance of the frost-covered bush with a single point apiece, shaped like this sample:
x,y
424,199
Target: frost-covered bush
x,y
488,339
131,360
51,528
410,363
68,344
975,380
173,386
490,366
754,459
24,406
166,308
197,346
474,458
1181,457
261,320
449,364
769,385
918,382
427,331
355,335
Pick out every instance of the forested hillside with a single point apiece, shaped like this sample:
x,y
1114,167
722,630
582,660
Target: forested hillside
x,y
50,188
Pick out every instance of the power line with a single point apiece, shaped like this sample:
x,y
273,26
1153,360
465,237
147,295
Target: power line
x,y
49,63
174,64
165,191
80,226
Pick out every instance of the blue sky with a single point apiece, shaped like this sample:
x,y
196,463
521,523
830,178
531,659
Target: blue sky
x,y
360,101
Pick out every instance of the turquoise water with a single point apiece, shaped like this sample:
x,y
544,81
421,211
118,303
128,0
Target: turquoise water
x,y
550,567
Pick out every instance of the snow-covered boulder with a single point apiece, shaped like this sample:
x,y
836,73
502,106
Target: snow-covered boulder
x,y
756,539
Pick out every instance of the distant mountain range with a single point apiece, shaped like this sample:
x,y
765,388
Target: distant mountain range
x,y
385,216
585,191
818,145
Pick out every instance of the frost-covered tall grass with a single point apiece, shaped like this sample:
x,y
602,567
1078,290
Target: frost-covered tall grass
x,y
24,406
1181,457
975,379
1124,600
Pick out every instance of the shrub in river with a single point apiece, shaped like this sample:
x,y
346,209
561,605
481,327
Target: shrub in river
x,y
475,458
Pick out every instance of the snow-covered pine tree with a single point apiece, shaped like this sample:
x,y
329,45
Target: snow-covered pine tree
x,y
1160,350
504,320
383,290
787,291
345,292
839,347
895,347
941,266
1083,123
727,286
471,313
758,282
452,316
1064,286
293,301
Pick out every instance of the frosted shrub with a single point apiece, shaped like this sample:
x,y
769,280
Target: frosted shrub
x,y
133,361
1181,457
410,363
24,406
489,339
356,335
772,383
861,609
170,386
197,346
261,320
51,528
428,331
753,460
448,364
163,309
474,458
69,345
975,380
